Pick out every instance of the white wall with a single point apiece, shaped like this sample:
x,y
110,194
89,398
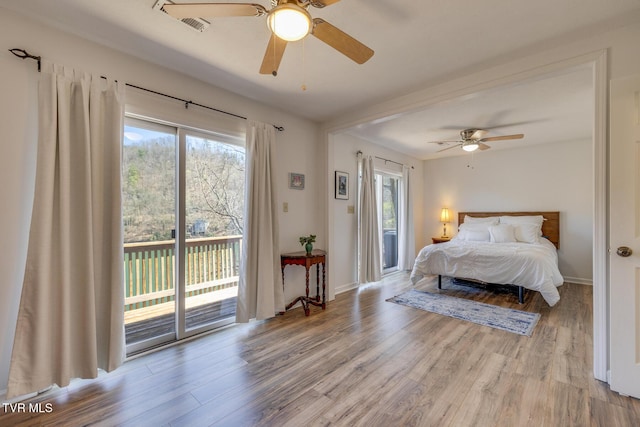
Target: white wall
x,y
343,272
298,147
546,177
17,142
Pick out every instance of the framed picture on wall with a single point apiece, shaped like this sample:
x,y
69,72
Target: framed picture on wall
x,y
296,181
342,185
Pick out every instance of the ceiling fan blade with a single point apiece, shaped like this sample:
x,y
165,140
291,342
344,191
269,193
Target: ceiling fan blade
x,y
449,148
212,10
444,142
322,3
273,55
488,126
502,138
511,124
479,134
341,41
482,146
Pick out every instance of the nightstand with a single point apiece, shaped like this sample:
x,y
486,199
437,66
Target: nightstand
x,y
440,239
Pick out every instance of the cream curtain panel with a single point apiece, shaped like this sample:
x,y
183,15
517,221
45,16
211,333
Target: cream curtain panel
x,y
406,235
260,293
369,262
70,320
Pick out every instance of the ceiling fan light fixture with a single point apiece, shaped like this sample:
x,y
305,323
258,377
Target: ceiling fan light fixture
x,y
470,146
289,22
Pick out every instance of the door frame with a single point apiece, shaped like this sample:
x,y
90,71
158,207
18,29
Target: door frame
x,y
597,62
599,66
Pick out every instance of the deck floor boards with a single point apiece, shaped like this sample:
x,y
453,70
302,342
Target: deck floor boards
x,y
165,323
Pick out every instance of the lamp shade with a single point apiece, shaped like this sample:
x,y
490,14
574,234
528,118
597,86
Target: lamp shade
x,y
289,22
470,146
444,215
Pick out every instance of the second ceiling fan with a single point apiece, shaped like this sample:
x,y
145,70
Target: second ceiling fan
x,y
474,139
288,20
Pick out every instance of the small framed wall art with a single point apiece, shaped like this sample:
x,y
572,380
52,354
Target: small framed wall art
x,y
296,181
342,185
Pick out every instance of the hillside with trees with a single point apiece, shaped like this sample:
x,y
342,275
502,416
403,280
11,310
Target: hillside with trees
x,y
214,188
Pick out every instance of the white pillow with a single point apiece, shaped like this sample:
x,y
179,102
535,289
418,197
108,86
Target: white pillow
x,y
493,220
536,220
475,226
527,233
503,233
475,232
477,235
522,219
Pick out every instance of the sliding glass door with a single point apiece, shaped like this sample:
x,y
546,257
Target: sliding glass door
x,y
183,197
387,199
213,213
149,218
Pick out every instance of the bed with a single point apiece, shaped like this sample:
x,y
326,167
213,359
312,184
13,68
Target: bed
x,y
517,252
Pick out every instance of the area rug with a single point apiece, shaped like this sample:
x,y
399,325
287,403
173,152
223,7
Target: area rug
x,y
506,319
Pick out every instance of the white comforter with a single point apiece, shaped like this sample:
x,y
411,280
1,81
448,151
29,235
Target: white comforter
x,y
531,265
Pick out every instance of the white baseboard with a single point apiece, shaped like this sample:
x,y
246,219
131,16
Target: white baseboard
x,y
578,281
346,287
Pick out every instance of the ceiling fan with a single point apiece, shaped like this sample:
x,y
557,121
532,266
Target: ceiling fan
x,y
473,139
288,20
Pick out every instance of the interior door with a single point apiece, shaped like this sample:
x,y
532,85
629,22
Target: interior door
x,y
625,236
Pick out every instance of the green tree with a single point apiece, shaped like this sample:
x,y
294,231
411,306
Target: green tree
x,y
215,182
214,188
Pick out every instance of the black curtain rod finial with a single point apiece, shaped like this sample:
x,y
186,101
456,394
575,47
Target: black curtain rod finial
x,y
21,53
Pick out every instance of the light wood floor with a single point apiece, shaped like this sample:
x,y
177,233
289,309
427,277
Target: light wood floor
x,y
363,361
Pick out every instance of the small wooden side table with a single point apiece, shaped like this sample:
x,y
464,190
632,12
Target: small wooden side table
x,y
440,239
317,257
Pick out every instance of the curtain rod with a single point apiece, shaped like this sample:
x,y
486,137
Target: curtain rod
x,y
21,53
386,160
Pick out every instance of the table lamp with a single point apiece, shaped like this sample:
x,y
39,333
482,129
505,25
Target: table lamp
x,y
444,218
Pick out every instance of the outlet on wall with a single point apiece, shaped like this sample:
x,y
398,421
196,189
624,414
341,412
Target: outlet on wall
x,y
285,207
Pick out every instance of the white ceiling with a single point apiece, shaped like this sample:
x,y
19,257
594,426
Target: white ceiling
x,y
416,44
548,109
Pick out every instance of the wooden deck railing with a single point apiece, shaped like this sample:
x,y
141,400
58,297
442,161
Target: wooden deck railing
x,y
212,264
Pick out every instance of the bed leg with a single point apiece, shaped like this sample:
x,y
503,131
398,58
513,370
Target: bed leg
x,y
439,281
521,294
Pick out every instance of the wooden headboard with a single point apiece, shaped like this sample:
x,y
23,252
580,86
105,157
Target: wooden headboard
x,y
550,225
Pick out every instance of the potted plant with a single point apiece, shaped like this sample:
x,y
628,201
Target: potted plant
x,y
307,242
